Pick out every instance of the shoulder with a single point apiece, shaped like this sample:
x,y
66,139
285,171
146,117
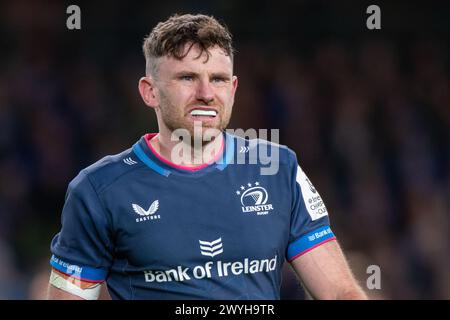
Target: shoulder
x,y
265,150
106,171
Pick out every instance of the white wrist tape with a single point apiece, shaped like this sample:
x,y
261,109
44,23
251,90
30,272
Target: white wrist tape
x,y
60,282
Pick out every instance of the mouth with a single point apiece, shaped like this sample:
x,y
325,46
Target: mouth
x,y
202,114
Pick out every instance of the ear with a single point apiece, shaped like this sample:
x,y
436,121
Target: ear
x,y
234,81
147,90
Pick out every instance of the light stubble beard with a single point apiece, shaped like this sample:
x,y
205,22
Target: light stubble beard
x,y
177,123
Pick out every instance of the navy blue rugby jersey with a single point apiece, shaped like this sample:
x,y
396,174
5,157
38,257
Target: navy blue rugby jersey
x,y
153,230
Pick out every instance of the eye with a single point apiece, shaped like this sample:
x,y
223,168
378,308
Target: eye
x,y
186,78
218,79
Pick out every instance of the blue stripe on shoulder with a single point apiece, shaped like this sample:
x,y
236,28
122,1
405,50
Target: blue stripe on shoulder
x,y
149,162
228,155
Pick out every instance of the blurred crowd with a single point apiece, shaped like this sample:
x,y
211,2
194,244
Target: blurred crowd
x,y
369,120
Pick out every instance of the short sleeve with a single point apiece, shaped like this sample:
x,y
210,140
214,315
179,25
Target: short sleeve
x,y
82,248
310,225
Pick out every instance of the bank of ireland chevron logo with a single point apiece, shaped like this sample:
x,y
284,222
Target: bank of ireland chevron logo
x,y
212,248
254,198
149,214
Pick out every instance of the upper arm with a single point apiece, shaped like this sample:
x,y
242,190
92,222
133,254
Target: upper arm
x,y
313,250
81,251
54,293
325,273
67,287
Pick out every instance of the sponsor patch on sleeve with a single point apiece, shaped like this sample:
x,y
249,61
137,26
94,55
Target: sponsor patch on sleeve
x,y
313,202
78,272
309,242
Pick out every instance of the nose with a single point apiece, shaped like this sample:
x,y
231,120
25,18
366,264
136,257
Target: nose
x,y
205,92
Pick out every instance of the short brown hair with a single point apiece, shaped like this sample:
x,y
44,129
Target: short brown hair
x,y
169,38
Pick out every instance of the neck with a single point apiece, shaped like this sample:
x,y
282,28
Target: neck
x,y
190,154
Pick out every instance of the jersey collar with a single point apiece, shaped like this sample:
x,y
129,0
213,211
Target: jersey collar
x,y
148,156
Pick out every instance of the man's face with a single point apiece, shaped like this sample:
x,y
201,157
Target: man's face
x,y
195,89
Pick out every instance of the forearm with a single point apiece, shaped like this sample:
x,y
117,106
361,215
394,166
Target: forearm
x,y
326,274
349,292
353,293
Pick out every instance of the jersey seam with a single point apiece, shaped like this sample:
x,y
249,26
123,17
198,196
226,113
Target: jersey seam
x,y
293,187
103,188
104,211
129,280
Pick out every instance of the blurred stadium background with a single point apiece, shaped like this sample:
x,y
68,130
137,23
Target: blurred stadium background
x,y
368,113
